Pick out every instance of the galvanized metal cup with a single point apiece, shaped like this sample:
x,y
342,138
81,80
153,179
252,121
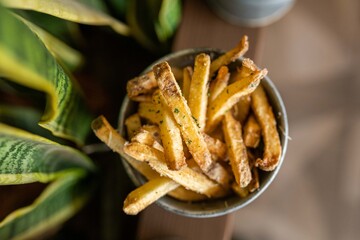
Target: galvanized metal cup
x,y
251,13
216,207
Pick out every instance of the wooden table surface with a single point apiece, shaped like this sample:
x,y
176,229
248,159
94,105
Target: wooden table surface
x,y
200,27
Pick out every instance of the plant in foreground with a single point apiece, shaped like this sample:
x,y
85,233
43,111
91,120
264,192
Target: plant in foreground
x,y
36,65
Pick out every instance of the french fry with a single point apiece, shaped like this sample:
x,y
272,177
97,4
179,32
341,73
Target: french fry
x,y
265,117
186,177
230,96
230,56
182,114
255,182
106,133
141,85
185,195
240,191
187,75
237,150
189,130
145,137
199,89
252,132
150,112
170,137
153,130
242,109
132,124
216,147
143,196
220,83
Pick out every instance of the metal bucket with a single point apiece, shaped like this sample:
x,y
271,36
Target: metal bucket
x,y
216,207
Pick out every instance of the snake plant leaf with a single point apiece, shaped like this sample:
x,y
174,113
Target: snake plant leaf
x,y
70,10
154,22
26,158
25,60
71,58
56,204
168,19
26,118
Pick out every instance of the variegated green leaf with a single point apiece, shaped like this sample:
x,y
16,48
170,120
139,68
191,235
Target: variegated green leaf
x,y
168,19
58,202
70,10
70,57
26,118
26,158
25,60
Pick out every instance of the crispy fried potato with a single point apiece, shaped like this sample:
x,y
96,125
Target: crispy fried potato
x,y
199,89
153,130
242,109
145,137
182,114
132,124
230,56
252,132
185,195
230,96
170,137
106,133
240,191
255,182
143,196
187,177
265,117
216,147
220,83
141,85
237,150
150,112
187,75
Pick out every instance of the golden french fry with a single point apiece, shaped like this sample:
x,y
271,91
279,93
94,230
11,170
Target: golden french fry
x,y
242,109
241,191
141,85
182,114
266,119
255,182
106,133
230,96
187,75
145,137
183,194
252,132
170,137
189,130
220,83
230,56
216,147
237,150
133,124
186,177
143,196
153,130
150,112
199,89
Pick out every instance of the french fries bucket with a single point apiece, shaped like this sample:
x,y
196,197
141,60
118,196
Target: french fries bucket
x,y
229,204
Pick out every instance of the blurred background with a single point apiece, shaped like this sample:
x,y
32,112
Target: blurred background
x,y
312,54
